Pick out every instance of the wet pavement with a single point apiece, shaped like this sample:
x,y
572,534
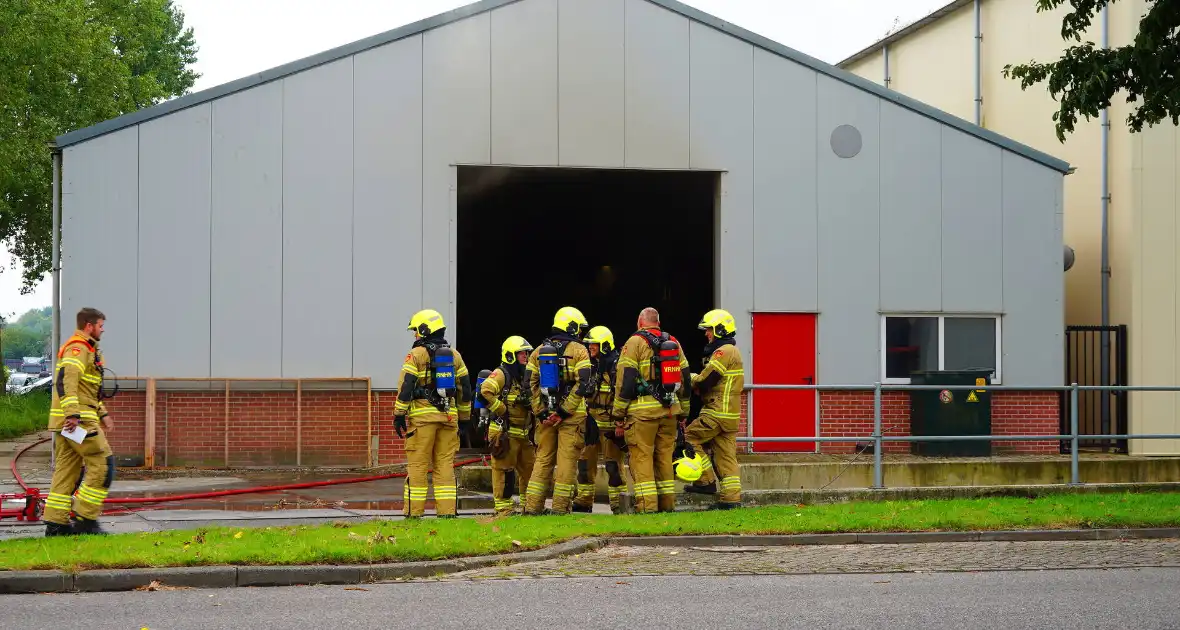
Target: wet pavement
x,y
308,506
368,500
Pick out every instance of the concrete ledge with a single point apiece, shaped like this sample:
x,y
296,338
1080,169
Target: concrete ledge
x,y
400,570
300,574
223,576
36,582
129,579
899,538
909,472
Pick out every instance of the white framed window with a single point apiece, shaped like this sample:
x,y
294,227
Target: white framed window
x,y
912,343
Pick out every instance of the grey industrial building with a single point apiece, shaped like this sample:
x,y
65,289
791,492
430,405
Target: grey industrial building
x,y
510,157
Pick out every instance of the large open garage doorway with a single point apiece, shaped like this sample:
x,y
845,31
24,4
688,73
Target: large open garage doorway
x,y
610,242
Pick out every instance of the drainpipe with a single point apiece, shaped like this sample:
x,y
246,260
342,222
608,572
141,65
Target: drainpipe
x,y
885,56
978,62
1104,130
56,264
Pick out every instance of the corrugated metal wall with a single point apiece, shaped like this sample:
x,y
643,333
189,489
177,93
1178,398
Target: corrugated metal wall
x,y
291,229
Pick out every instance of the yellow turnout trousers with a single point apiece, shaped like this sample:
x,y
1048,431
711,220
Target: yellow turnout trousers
x,y
430,445
511,473
93,454
560,444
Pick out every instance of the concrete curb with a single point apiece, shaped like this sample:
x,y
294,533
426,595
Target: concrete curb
x,y
227,576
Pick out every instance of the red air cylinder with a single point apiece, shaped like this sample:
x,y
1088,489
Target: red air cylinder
x,y
669,358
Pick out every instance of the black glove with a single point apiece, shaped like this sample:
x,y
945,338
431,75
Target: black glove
x,y
399,425
591,431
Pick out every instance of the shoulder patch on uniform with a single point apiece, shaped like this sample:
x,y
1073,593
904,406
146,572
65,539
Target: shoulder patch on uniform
x,y
75,351
409,355
718,353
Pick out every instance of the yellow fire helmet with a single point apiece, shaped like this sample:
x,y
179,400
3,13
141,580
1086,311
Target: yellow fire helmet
x,y
511,346
569,319
602,336
426,321
720,321
688,469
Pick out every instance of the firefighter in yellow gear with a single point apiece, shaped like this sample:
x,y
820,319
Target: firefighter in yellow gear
x,y
647,413
504,394
433,398
77,404
561,412
604,357
720,386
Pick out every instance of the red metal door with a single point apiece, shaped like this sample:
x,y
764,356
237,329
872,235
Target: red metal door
x,y
784,354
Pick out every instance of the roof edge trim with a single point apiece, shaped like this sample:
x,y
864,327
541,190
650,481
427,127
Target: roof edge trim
x,y
854,80
278,72
442,19
905,31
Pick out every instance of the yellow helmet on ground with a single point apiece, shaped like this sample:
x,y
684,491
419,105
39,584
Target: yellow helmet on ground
x,y
719,321
602,336
511,346
569,319
426,321
689,469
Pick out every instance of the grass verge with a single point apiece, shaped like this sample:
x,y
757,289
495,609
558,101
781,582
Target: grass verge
x,y
431,539
21,415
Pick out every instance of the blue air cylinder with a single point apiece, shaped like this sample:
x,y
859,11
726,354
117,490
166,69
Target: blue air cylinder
x,y
444,371
550,376
479,400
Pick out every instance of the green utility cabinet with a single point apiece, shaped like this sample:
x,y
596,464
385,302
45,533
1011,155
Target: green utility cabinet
x,y
951,412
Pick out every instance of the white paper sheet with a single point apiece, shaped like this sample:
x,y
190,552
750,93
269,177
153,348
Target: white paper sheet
x,y
77,435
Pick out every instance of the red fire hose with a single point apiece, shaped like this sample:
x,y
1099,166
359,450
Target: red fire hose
x,y
222,493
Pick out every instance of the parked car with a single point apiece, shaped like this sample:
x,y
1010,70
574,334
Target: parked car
x,y
18,380
39,384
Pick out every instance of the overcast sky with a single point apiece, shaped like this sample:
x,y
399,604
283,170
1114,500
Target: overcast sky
x,y
242,37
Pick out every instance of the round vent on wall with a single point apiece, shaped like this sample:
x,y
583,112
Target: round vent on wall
x,y
846,141
1069,257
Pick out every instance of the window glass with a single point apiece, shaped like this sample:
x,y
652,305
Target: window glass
x,y
970,343
911,344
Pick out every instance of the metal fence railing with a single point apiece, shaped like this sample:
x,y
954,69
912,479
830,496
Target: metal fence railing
x,y
878,438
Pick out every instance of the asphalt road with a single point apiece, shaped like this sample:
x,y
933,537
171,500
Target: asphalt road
x,y
1114,598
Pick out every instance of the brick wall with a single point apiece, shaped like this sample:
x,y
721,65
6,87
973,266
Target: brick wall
x,y
191,425
191,428
1026,413
1013,413
851,414
744,425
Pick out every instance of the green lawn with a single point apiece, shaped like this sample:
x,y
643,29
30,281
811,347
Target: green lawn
x,y
21,415
432,538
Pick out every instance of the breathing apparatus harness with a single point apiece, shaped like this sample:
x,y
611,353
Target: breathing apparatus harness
x,y
665,368
439,388
604,366
99,365
512,377
555,381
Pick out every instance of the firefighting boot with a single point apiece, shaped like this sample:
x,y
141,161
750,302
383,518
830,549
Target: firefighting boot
x,y
88,526
57,529
709,488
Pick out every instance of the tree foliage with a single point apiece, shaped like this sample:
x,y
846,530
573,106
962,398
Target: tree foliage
x,y
1086,77
68,64
28,336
